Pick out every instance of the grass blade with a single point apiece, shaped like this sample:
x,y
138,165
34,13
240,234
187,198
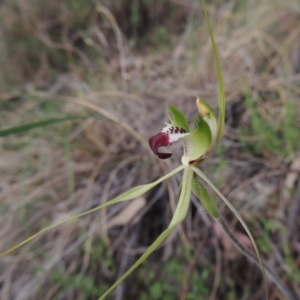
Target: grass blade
x,y
29,126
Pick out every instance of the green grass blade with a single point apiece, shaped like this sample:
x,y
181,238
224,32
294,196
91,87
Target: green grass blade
x,y
128,195
29,126
203,176
221,93
179,215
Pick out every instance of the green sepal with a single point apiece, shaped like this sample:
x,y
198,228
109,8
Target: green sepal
x,y
177,118
206,200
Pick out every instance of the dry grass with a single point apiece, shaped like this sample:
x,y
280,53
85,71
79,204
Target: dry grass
x,y
62,59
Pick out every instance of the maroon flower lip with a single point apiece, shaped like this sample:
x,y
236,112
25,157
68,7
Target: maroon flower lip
x,y
160,140
163,139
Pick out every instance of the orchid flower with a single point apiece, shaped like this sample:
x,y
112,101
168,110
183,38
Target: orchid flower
x,y
198,144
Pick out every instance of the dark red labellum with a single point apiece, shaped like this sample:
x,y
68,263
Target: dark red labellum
x,y
160,140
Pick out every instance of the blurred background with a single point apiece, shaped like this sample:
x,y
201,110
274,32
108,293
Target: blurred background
x,y
100,74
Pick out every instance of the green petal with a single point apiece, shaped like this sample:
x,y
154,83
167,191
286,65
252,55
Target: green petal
x,y
198,142
205,198
177,118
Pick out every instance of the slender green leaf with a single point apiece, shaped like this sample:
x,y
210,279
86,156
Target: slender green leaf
x,y
203,176
128,195
29,126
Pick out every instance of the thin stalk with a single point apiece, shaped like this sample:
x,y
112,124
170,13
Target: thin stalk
x,y
252,257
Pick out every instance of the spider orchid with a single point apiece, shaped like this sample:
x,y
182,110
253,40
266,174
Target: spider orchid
x,y
198,143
